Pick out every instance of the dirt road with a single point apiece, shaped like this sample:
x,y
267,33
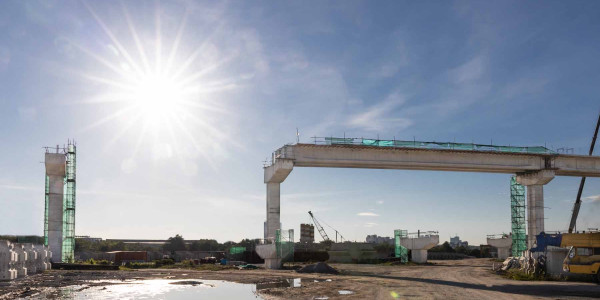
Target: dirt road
x,y
462,279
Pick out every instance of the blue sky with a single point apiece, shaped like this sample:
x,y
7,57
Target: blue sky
x,y
246,75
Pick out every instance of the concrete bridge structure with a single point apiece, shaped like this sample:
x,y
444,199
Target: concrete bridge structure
x,y
533,169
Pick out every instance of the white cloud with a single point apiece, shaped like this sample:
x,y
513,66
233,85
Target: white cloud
x,y
376,117
380,202
593,199
367,214
469,71
370,224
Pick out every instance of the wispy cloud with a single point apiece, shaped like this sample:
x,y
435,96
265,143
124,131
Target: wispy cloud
x,y
377,116
380,202
17,187
370,224
367,214
593,199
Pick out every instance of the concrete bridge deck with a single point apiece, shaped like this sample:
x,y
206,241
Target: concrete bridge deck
x,y
370,157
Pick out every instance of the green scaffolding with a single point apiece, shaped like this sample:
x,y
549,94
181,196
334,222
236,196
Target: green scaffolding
x,y
46,197
284,244
517,209
399,250
68,246
433,145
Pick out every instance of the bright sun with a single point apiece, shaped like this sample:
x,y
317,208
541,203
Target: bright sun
x,y
157,97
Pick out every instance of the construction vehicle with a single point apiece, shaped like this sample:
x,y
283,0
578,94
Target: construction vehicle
x,y
322,231
584,253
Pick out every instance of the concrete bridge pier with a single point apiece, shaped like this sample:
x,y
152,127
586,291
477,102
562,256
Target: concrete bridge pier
x,y
419,246
275,174
503,245
535,182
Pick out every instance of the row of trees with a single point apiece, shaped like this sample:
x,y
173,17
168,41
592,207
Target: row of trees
x,y
176,243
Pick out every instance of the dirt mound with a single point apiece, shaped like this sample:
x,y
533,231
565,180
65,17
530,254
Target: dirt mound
x,y
319,267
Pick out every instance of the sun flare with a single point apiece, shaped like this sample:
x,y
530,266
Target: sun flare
x,y
156,97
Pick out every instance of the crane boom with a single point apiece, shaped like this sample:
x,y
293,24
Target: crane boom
x,y
577,204
319,227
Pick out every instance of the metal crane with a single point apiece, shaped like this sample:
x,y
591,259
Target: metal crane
x,y
322,231
577,204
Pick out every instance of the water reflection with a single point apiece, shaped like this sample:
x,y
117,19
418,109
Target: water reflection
x,y
295,282
156,289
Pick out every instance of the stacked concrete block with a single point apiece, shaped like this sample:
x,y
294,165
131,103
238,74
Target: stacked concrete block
x,y
8,259
43,258
21,266
32,256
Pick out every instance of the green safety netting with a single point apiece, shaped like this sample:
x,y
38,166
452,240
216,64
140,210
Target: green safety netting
x,y
436,145
517,208
399,250
284,243
237,250
68,247
69,187
46,197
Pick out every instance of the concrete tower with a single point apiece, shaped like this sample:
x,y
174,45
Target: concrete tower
x,y
59,218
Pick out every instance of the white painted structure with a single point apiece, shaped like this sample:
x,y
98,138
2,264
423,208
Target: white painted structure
x,y
55,170
533,170
8,259
419,246
503,245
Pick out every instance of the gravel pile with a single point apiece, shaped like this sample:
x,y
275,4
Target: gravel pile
x,y
319,267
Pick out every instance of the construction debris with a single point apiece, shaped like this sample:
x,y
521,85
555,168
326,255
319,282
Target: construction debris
x,y
319,267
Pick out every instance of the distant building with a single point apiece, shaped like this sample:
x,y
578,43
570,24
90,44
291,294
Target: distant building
x,y
307,233
375,239
455,242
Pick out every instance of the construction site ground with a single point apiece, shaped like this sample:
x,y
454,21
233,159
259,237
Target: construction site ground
x,y
451,279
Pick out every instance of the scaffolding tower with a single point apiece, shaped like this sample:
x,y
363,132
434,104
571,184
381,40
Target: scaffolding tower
x,y
69,206
68,203
399,250
517,209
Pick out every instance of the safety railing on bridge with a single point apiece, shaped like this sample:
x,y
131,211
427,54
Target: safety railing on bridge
x,y
419,233
430,145
498,236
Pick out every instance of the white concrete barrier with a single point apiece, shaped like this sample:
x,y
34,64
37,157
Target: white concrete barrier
x,y
8,258
43,258
21,266
30,263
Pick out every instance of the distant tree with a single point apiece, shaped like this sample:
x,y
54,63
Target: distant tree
x,y
461,249
248,243
475,252
176,243
205,245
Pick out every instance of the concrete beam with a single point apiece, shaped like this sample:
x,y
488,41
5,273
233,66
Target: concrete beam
x,y
356,156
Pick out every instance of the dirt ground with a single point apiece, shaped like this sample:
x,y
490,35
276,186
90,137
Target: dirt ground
x,y
459,279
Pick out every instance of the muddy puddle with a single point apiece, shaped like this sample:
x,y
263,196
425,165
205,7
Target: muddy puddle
x,y
154,289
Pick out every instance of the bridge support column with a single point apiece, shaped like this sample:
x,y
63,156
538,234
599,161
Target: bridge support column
x,y
535,201
273,209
